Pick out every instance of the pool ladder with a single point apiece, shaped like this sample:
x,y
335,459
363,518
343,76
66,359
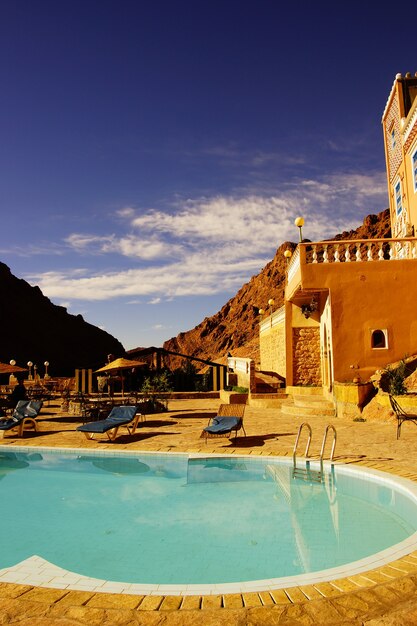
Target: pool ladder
x,y
306,473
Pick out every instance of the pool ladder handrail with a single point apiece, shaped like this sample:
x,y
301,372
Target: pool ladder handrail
x,y
307,473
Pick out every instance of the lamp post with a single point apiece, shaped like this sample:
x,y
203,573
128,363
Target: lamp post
x,y
288,255
30,370
46,369
35,372
299,222
12,377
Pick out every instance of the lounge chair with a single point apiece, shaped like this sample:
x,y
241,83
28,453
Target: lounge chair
x,y
401,415
229,418
118,416
24,416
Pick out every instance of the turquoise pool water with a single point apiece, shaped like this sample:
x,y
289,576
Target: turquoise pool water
x,y
171,519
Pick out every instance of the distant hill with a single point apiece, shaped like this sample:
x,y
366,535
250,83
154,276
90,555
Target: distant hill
x,y
34,329
235,327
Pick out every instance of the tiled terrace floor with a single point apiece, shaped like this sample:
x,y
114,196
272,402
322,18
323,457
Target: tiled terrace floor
x,y
384,596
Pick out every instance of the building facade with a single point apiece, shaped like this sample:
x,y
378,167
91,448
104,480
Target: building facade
x,y
350,305
399,123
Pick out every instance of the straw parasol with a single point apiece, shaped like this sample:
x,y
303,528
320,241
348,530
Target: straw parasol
x,y
118,365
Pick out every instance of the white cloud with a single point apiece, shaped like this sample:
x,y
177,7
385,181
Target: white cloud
x,y
213,245
126,212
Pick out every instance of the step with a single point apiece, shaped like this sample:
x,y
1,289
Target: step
x,y
305,391
267,400
307,411
312,401
265,388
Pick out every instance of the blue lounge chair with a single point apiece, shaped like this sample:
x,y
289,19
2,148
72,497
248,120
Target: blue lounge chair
x,y
118,416
24,416
228,419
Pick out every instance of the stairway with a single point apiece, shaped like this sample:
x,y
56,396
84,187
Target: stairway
x,y
307,402
268,382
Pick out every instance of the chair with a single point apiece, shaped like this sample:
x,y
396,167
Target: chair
x,y
401,415
24,416
118,416
229,418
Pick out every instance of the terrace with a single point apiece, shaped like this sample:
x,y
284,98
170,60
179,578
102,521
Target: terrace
x,y
269,432
331,255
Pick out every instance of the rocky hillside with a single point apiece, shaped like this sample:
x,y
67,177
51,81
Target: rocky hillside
x,y
234,328
32,328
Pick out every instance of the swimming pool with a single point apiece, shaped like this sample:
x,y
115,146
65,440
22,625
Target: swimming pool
x,y
176,523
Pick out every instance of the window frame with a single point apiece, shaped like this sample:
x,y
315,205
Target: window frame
x,y
398,198
384,331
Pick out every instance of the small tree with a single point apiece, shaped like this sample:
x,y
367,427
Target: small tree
x,y
152,389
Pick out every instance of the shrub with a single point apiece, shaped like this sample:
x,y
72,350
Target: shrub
x,y
395,378
152,389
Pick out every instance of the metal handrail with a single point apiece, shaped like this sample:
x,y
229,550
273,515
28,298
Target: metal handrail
x,y
329,427
307,425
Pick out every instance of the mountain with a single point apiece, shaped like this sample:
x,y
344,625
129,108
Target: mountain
x,y
234,328
32,328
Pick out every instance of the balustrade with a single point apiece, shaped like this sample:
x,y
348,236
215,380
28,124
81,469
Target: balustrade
x,y
357,251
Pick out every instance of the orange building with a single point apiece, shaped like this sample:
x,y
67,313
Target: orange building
x,y
399,122
350,306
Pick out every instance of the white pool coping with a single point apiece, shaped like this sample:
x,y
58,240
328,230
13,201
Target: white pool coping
x,y
36,571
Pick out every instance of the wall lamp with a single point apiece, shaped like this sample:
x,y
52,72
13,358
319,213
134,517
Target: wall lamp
x,y
308,309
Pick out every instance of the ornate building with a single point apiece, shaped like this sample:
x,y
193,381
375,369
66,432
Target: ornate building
x,y
350,305
399,122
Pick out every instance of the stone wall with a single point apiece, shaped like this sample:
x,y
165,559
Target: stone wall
x,y
306,356
272,349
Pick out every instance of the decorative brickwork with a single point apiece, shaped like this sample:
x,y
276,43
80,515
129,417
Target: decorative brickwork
x,y
306,356
411,136
393,123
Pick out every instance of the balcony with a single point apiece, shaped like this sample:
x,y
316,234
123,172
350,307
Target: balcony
x,y
307,256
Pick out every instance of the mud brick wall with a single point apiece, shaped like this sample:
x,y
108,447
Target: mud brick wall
x,y
306,356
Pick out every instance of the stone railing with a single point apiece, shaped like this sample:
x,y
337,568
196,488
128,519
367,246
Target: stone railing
x,y
352,250
239,364
294,264
277,317
361,250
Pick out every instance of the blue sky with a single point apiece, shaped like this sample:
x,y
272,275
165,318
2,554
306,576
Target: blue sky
x,y
153,156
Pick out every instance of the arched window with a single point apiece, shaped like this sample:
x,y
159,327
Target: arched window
x,y
379,339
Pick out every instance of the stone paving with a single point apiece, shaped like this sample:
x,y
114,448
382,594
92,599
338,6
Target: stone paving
x,y
381,597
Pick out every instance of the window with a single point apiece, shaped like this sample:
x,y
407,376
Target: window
x,y
414,168
379,339
398,198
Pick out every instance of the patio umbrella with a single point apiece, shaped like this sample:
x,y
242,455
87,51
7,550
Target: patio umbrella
x,y
119,365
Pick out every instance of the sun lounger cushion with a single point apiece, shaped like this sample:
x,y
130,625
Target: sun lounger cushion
x,y
221,425
118,416
24,409
27,408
